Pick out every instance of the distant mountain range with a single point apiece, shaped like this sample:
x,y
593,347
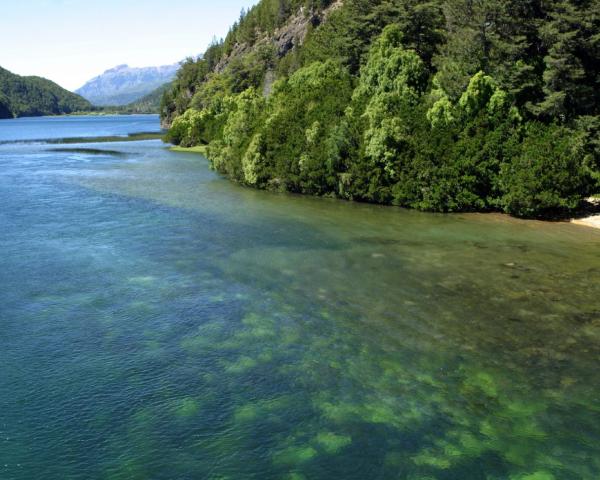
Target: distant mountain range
x,y
123,85
35,96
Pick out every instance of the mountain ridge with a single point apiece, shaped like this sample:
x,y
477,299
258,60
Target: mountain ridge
x,y
122,84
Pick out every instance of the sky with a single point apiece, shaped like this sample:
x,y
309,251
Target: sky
x,y
72,41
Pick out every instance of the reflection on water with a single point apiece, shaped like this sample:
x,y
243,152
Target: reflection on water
x,y
160,322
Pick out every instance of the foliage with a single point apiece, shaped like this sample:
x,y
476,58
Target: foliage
x,y
388,92
4,107
33,96
547,176
442,105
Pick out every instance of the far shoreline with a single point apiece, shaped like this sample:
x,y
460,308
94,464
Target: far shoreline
x,y
82,114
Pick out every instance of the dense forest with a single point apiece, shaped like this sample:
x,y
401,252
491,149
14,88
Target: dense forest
x,y
34,96
441,105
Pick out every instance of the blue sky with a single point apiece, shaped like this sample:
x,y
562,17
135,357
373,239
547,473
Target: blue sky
x,y
71,41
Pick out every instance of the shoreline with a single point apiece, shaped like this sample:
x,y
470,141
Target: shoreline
x,y
591,221
201,149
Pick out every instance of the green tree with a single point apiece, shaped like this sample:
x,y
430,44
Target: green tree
x,y
432,105
571,40
547,176
389,89
304,110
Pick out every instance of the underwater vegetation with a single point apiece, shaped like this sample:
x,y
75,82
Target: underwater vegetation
x,y
165,323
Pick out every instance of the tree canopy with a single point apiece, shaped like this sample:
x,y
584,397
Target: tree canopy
x,y
32,96
441,105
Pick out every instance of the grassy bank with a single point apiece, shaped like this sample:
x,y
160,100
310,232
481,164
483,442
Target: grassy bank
x,y
201,149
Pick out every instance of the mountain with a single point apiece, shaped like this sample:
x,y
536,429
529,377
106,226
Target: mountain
x,y
35,96
123,84
443,105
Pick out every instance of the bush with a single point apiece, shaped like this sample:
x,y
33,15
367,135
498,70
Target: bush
x,y
305,112
547,177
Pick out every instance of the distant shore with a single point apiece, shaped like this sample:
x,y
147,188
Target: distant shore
x,y
83,114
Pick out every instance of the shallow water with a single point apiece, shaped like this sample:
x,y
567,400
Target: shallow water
x,y
159,322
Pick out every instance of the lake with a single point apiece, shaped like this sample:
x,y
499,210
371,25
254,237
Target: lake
x,y
159,322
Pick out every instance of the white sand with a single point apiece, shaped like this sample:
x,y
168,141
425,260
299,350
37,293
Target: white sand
x,y
591,221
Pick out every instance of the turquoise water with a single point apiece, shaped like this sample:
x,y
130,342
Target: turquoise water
x,y
159,322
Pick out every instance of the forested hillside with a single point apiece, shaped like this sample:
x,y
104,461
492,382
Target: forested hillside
x,y
442,105
34,96
149,103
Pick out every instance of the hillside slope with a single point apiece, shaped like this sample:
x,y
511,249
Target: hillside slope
x,y
35,96
445,105
123,84
149,103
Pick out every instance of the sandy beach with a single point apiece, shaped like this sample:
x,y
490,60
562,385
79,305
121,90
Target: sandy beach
x,y
591,221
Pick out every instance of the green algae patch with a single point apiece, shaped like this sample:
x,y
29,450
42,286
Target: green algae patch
x,y
204,338
380,413
541,475
197,343
429,459
294,476
258,323
186,407
240,383
471,444
339,412
242,365
483,382
289,336
331,442
294,456
247,413
523,409
263,408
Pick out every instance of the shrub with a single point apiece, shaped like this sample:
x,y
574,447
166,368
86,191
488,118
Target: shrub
x,y
547,176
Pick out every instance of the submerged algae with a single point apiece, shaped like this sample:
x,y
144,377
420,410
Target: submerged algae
x,y
186,407
331,442
269,343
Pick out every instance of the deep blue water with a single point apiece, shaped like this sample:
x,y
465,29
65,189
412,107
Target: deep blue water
x,y
41,128
159,322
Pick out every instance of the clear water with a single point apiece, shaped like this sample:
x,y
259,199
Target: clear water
x,y
159,322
